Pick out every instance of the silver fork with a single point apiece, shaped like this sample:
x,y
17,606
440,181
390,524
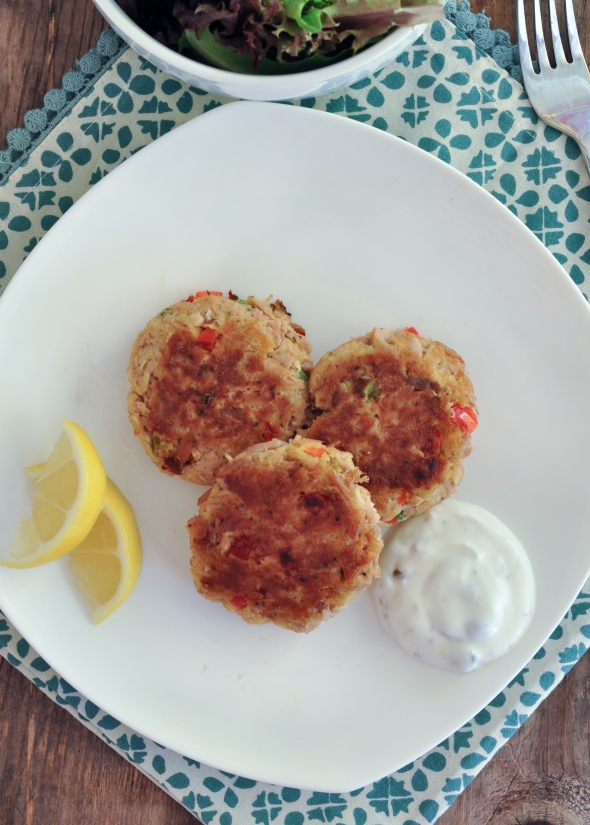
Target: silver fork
x,y
560,96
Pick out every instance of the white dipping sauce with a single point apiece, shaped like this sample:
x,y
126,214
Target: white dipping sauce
x,y
456,588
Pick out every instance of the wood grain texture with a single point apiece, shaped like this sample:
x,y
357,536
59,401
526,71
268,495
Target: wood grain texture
x,y
56,772
40,40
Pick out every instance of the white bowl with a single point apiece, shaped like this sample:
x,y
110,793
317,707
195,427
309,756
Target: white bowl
x,y
254,87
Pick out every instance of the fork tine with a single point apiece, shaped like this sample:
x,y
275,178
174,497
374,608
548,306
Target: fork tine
x,y
540,37
526,63
555,35
572,30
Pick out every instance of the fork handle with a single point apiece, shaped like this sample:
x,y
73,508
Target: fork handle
x,y
574,122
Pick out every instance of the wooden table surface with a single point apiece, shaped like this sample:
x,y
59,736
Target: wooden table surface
x,y
56,772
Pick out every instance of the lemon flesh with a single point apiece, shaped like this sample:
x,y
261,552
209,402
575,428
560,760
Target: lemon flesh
x,y
35,471
107,564
69,491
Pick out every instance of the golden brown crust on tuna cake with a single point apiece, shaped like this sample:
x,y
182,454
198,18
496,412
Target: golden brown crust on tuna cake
x,y
193,400
387,397
285,535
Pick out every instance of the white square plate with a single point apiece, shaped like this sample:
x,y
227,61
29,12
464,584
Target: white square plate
x,y
352,229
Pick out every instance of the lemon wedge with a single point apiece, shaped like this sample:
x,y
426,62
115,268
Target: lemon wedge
x,y
107,564
68,495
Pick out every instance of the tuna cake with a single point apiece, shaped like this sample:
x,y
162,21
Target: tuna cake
x,y
404,407
211,376
286,535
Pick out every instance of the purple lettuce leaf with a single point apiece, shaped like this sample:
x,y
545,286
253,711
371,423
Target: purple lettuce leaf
x,y
367,20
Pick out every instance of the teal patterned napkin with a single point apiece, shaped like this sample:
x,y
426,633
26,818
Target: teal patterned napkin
x,y
449,97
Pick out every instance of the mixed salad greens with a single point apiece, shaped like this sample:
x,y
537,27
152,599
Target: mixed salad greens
x,y
274,36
